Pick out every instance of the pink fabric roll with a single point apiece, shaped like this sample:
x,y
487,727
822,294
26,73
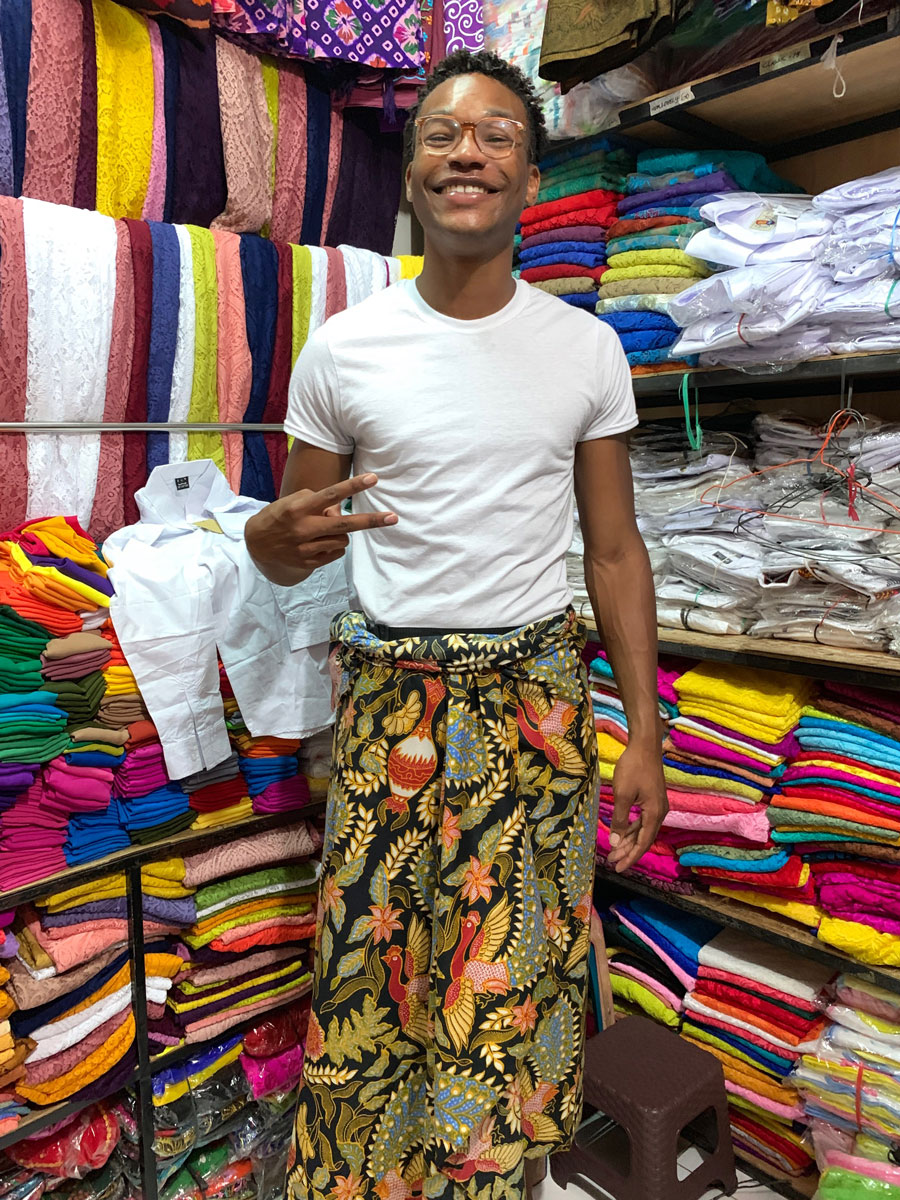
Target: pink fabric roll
x,y
290,157
334,165
679,972
234,364
784,1111
336,284
247,140
652,985
13,364
54,101
109,498
212,1026
280,1073
155,200
251,852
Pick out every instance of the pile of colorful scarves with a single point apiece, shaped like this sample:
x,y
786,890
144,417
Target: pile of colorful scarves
x,y
850,1085
118,321
648,263
660,864
756,1007
169,125
840,810
562,243
248,950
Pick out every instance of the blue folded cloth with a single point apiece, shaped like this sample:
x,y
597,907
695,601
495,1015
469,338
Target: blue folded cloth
x,y
690,211
647,339
586,300
94,758
566,257
550,249
632,322
653,241
260,772
747,865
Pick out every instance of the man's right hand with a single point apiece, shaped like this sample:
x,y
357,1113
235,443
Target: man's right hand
x,y
293,536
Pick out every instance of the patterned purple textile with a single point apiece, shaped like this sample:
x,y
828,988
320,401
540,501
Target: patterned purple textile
x,y
377,33
276,25
464,25
6,151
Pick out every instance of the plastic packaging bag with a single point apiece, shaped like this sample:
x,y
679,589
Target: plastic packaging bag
x,y
280,1031
82,1145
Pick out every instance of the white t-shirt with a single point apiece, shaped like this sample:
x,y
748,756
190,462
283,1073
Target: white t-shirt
x,y
471,427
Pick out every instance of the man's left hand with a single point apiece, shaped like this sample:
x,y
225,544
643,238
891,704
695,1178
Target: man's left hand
x,y
639,783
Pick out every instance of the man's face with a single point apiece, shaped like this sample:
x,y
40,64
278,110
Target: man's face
x,y
467,201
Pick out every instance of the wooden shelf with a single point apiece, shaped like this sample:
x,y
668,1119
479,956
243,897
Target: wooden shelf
x,y
785,1185
868,668
734,108
880,371
756,922
188,842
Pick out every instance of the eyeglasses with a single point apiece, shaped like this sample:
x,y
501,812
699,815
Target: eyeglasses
x,y
496,137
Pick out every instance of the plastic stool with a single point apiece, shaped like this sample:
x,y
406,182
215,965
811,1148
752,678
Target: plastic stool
x,y
652,1084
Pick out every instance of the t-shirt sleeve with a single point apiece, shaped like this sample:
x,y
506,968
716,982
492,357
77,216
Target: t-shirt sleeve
x,y
314,399
615,410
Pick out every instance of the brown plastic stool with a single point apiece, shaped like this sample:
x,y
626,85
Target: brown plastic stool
x,y
652,1084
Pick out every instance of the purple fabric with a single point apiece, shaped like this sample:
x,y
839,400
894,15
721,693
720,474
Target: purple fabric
x,y
170,912
17,776
86,166
463,25
279,28
696,745
199,191
282,795
879,702
10,947
76,666
368,191
788,746
80,574
374,34
719,181
7,185
574,233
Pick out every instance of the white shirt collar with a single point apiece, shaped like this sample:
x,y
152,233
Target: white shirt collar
x,y
179,494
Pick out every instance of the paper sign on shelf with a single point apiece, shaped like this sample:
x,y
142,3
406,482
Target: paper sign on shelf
x,y
672,100
785,58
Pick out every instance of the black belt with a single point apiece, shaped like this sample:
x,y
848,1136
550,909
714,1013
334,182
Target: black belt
x,y
393,633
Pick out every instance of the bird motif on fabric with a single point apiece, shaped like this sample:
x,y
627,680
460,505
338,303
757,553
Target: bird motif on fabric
x,y
482,1155
473,969
412,763
545,727
535,1098
411,995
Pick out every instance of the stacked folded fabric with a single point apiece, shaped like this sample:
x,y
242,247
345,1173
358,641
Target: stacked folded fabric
x,y
756,1007
71,982
850,1081
81,1157
724,759
761,308
269,766
653,958
840,810
562,248
218,794
660,864
52,580
650,252
248,949
13,1050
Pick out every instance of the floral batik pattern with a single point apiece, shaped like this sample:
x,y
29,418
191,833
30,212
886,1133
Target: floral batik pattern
x,y
374,33
446,1038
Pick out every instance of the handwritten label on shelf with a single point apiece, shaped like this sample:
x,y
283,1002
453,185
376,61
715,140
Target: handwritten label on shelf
x,y
673,100
786,58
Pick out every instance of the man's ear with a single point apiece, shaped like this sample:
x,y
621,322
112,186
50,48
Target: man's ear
x,y
534,183
408,184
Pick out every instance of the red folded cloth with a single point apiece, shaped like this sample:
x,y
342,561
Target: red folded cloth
x,y
639,224
562,271
581,216
598,198
219,795
787,876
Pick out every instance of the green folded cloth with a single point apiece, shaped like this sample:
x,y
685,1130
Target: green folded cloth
x,y
160,833
34,749
79,697
611,180
20,674
617,160
303,875
19,637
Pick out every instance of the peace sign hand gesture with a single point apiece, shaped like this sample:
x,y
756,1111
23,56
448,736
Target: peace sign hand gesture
x,y
293,536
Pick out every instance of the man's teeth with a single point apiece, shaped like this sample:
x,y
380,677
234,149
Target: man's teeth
x,y
463,189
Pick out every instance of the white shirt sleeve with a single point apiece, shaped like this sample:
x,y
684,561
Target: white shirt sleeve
x,y
314,409
615,410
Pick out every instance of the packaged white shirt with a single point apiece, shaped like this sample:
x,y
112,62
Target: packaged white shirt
x,y
471,427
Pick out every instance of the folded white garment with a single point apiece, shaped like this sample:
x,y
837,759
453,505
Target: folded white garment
x,y
765,963
717,247
700,1010
69,1031
701,620
874,302
758,220
731,330
752,290
869,192
798,344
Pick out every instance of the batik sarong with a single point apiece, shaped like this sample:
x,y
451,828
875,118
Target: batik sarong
x,y
447,1028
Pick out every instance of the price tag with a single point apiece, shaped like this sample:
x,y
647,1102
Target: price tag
x,y
673,100
786,58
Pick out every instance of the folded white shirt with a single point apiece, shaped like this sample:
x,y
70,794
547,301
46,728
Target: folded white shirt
x,y
869,192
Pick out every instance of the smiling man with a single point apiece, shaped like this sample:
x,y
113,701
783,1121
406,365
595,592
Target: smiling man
x,y
445,1045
